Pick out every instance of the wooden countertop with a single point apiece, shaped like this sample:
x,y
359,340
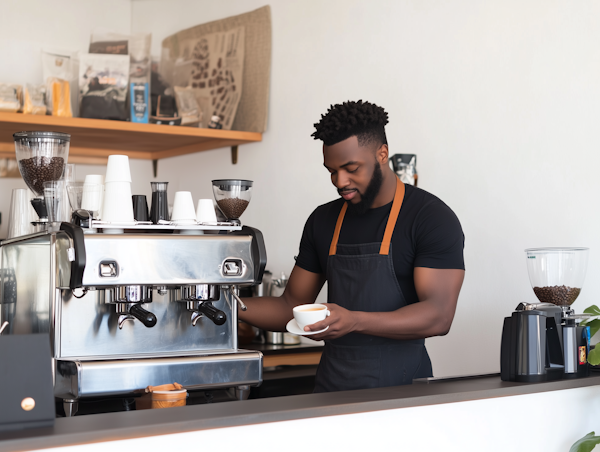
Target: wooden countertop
x,y
136,424
288,355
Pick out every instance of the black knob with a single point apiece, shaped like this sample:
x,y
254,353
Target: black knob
x,y
146,317
218,317
81,218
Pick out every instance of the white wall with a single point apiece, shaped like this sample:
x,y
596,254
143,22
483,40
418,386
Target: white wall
x,y
499,100
28,27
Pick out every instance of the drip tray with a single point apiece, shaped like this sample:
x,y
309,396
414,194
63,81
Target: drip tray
x,y
100,405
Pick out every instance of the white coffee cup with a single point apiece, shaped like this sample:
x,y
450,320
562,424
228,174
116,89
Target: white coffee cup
x,y
118,207
183,208
205,213
93,194
307,314
117,169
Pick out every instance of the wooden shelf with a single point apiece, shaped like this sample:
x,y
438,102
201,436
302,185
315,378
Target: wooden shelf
x,y
93,140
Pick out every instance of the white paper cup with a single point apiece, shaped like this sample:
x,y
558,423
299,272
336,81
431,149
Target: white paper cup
x,y
307,314
91,198
117,206
93,194
21,214
94,179
205,213
117,169
183,208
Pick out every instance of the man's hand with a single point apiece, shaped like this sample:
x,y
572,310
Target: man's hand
x,y
273,313
432,316
340,322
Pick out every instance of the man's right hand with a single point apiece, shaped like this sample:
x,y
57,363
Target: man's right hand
x,y
273,313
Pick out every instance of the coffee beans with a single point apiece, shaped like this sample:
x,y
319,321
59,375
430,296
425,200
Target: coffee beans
x,y
558,295
37,170
233,208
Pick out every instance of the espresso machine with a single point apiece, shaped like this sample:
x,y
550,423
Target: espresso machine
x,y
135,305
545,341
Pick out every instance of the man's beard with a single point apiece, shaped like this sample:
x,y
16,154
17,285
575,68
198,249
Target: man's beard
x,y
367,199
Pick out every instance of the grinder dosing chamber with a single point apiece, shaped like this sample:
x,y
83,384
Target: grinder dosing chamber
x,y
542,341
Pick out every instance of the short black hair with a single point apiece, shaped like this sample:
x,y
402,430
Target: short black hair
x,y
364,120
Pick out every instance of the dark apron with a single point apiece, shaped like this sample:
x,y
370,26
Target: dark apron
x,y
362,278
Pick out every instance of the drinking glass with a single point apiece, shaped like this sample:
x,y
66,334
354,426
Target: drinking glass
x,y
160,205
21,214
75,193
54,197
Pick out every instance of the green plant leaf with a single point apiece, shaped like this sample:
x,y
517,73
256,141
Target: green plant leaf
x,y
593,309
586,444
594,325
594,356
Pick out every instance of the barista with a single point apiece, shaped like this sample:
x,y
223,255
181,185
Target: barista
x,y
392,256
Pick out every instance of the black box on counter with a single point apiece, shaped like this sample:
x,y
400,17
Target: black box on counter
x,y
26,389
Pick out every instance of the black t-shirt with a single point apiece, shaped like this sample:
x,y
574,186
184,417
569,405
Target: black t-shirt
x,y
427,234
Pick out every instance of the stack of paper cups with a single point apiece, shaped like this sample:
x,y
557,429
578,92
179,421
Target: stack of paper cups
x,y
117,206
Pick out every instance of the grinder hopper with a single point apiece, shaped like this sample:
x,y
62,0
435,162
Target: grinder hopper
x,y
557,274
42,157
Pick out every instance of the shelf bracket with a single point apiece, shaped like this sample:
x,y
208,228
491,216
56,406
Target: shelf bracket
x,y
155,166
234,154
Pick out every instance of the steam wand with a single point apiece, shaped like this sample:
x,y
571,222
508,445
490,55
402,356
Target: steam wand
x,y
243,307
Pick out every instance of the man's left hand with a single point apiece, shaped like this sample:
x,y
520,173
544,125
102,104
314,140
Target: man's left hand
x,y
340,322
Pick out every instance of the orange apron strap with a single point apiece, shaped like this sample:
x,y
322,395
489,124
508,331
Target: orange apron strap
x,y
336,232
391,224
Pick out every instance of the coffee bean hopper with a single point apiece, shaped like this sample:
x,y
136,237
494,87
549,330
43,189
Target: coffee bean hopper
x,y
42,157
232,197
544,341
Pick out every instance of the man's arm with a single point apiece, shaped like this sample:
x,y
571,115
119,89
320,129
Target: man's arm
x,y
437,290
273,313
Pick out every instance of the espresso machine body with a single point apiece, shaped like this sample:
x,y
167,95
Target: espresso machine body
x,y
125,311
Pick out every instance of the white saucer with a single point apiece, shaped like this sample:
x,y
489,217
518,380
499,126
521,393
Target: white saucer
x,y
293,328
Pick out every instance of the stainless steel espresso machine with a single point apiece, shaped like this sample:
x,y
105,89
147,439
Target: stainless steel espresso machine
x,y
153,305
544,341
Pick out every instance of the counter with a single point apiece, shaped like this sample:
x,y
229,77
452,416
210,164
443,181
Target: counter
x,y
441,407
288,369
288,355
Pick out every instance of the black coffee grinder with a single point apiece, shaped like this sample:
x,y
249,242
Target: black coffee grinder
x,y
543,341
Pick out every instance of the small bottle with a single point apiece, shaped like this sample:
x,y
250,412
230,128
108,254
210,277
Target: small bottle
x,y
215,122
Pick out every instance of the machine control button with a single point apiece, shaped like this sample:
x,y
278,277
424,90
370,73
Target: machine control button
x,y
232,267
109,269
28,403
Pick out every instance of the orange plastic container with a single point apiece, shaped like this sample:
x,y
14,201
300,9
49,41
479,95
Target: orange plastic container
x,y
165,396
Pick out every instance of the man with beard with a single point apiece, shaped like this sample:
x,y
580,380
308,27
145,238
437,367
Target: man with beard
x,y
392,256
